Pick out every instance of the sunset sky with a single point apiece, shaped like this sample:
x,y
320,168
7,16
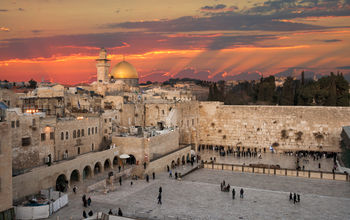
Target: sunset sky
x,y
59,40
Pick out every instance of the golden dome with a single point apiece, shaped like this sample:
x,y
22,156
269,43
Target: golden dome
x,y
124,70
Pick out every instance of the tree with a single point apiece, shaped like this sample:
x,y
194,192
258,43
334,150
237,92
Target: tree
x,y
32,84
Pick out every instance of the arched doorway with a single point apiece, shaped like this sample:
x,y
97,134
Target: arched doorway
x,y
183,160
74,177
115,161
178,162
97,168
131,159
61,183
107,165
87,172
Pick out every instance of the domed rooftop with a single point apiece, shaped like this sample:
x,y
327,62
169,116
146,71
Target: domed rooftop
x,y
124,70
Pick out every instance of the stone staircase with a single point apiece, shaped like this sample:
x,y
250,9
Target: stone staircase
x,y
138,171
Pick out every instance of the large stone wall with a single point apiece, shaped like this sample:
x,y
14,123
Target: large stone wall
x,y
290,127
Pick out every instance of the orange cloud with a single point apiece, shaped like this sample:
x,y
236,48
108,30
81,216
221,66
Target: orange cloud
x,y
4,29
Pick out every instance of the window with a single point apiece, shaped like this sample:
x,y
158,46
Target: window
x,y
88,131
105,120
12,124
43,136
92,147
26,141
92,130
74,134
67,135
95,130
52,136
62,135
78,150
17,123
82,132
78,133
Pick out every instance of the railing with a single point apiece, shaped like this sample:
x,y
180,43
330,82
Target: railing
x,y
279,171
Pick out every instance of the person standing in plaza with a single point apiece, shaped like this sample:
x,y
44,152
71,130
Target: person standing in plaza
x,y
167,167
298,198
119,167
120,212
153,175
290,196
241,193
75,188
295,198
120,180
89,201
84,214
233,193
159,198
147,178
160,190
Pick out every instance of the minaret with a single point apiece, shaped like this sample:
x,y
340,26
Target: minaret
x,y
102,65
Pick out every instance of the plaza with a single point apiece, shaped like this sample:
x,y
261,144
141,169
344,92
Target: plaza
x,y
198,196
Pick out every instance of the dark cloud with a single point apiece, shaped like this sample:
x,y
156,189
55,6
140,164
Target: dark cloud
x,y
4,10
332,40
344,67
272,15
232,21
120,42
20,9
213,8
36,31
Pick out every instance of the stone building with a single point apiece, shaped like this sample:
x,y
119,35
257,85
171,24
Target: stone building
x,y
6,210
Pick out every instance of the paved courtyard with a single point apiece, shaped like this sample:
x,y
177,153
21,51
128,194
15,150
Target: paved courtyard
x,y
198,196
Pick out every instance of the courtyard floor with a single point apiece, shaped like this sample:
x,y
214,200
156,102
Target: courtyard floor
x,y
198,196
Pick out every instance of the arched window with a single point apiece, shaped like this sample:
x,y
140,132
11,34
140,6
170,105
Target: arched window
x,y
62,135
78,133
67,135
82,132
74,134
88,131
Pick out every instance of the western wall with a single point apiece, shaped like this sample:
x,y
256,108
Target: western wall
x,y
286,128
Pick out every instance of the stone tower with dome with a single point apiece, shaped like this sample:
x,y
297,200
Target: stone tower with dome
x,y
122,78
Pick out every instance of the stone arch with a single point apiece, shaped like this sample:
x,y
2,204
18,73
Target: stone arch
x,y
131,159
115,161
97,168
61,183
87,173
74,177
107,164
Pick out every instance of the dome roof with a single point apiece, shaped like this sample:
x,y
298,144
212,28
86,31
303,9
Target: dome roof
x,y
124,70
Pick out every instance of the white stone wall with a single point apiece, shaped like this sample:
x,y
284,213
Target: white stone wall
x,y
292,127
